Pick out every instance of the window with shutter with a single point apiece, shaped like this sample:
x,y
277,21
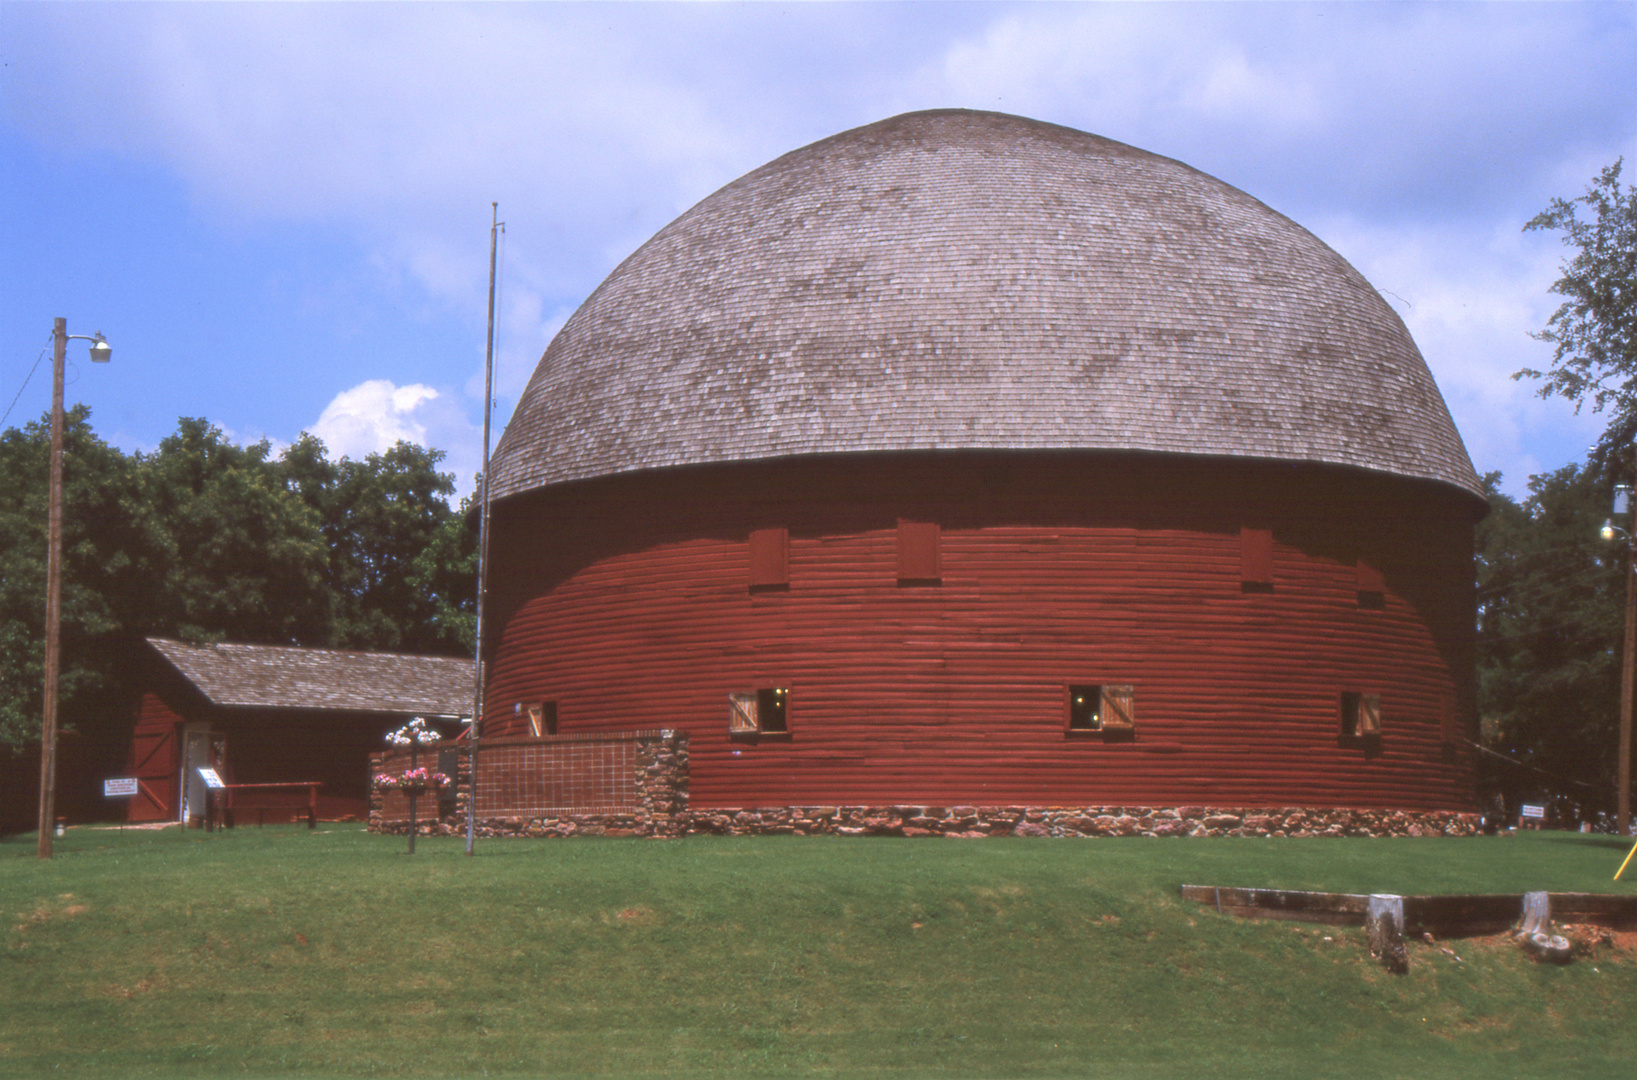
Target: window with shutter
x,y
1101,708
770,558
541,717
1256,559
759,713
1360,715
919,561
1369,715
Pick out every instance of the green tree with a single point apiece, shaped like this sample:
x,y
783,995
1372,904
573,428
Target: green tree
x,y
112,558
1550,618
395,566
210,541
245,557
1595,329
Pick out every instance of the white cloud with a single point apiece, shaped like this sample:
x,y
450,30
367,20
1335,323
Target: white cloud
x,y
375,415
1418,137
1471,297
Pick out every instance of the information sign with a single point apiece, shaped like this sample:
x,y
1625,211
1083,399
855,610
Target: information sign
x,y
211,779
123,786
1533,811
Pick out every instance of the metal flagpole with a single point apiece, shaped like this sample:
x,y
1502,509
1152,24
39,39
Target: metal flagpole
x,y
495,227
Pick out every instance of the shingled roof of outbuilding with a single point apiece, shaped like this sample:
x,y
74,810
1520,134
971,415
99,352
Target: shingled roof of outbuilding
x,y
284,677
972,280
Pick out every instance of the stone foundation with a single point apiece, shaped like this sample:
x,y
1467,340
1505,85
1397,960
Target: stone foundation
x,y
647,795
976,822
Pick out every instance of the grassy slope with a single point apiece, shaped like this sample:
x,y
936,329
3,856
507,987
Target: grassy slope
x,y
275,952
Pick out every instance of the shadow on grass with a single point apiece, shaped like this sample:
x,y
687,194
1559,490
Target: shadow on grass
x,y
1591,840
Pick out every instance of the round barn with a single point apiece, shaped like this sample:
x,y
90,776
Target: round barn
x,y
988,474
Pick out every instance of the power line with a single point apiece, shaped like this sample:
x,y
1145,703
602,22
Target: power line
x,y
20,389
1510,760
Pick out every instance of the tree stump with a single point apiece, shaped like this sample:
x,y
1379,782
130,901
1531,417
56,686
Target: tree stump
x,y
1534,931
1384,927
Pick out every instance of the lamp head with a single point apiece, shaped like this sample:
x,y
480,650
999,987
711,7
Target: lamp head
x,y
1607,531
101,351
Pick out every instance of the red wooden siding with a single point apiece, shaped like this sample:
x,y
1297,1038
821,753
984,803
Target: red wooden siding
x,y
624,600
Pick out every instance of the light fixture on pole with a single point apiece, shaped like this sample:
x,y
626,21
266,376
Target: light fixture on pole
x,y
101,353
1622,795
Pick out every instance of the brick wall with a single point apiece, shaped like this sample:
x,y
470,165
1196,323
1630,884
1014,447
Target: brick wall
x,y
632,783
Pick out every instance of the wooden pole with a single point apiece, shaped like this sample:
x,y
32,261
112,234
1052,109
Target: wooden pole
x,y
53,595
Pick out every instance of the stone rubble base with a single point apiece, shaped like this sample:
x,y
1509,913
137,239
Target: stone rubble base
x,y
966,822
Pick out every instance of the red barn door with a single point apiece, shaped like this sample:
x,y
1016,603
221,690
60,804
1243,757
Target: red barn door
x,y
153,763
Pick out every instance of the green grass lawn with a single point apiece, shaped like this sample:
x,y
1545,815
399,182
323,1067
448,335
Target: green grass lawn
x,y
278,952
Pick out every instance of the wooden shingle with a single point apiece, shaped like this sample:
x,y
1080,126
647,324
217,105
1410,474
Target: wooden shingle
x,y
284,677
971,280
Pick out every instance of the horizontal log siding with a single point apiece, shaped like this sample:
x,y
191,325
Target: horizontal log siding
x,y
626,601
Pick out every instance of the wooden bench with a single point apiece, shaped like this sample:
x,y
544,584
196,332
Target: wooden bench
x,y
264,797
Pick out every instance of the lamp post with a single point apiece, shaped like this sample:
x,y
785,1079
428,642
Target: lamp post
x,y
100,354
1622,795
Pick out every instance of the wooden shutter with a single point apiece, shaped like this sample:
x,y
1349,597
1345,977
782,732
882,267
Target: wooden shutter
x,y
742,713
1117,710
1256,556
769,558
1369,714
918,551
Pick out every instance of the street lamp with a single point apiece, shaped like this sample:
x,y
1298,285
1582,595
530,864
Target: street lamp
x,y
1622,795
101,353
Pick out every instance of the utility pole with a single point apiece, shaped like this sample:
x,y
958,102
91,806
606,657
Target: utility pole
x,y
53,594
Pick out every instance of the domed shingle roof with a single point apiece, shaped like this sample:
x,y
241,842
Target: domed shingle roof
x,y
970,280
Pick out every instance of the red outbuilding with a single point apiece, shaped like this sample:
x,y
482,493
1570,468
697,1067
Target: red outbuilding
x,y
277,715
976,473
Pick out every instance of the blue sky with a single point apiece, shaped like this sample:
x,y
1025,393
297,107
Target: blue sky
x,y
278,214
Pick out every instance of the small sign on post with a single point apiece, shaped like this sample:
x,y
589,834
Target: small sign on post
x,y
211,779
121,787
1532,812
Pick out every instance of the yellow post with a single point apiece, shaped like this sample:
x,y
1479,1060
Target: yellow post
x,y
1623,865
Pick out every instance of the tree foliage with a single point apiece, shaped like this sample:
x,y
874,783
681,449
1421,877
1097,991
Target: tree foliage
x,y
1550,619
1595,329
207,540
